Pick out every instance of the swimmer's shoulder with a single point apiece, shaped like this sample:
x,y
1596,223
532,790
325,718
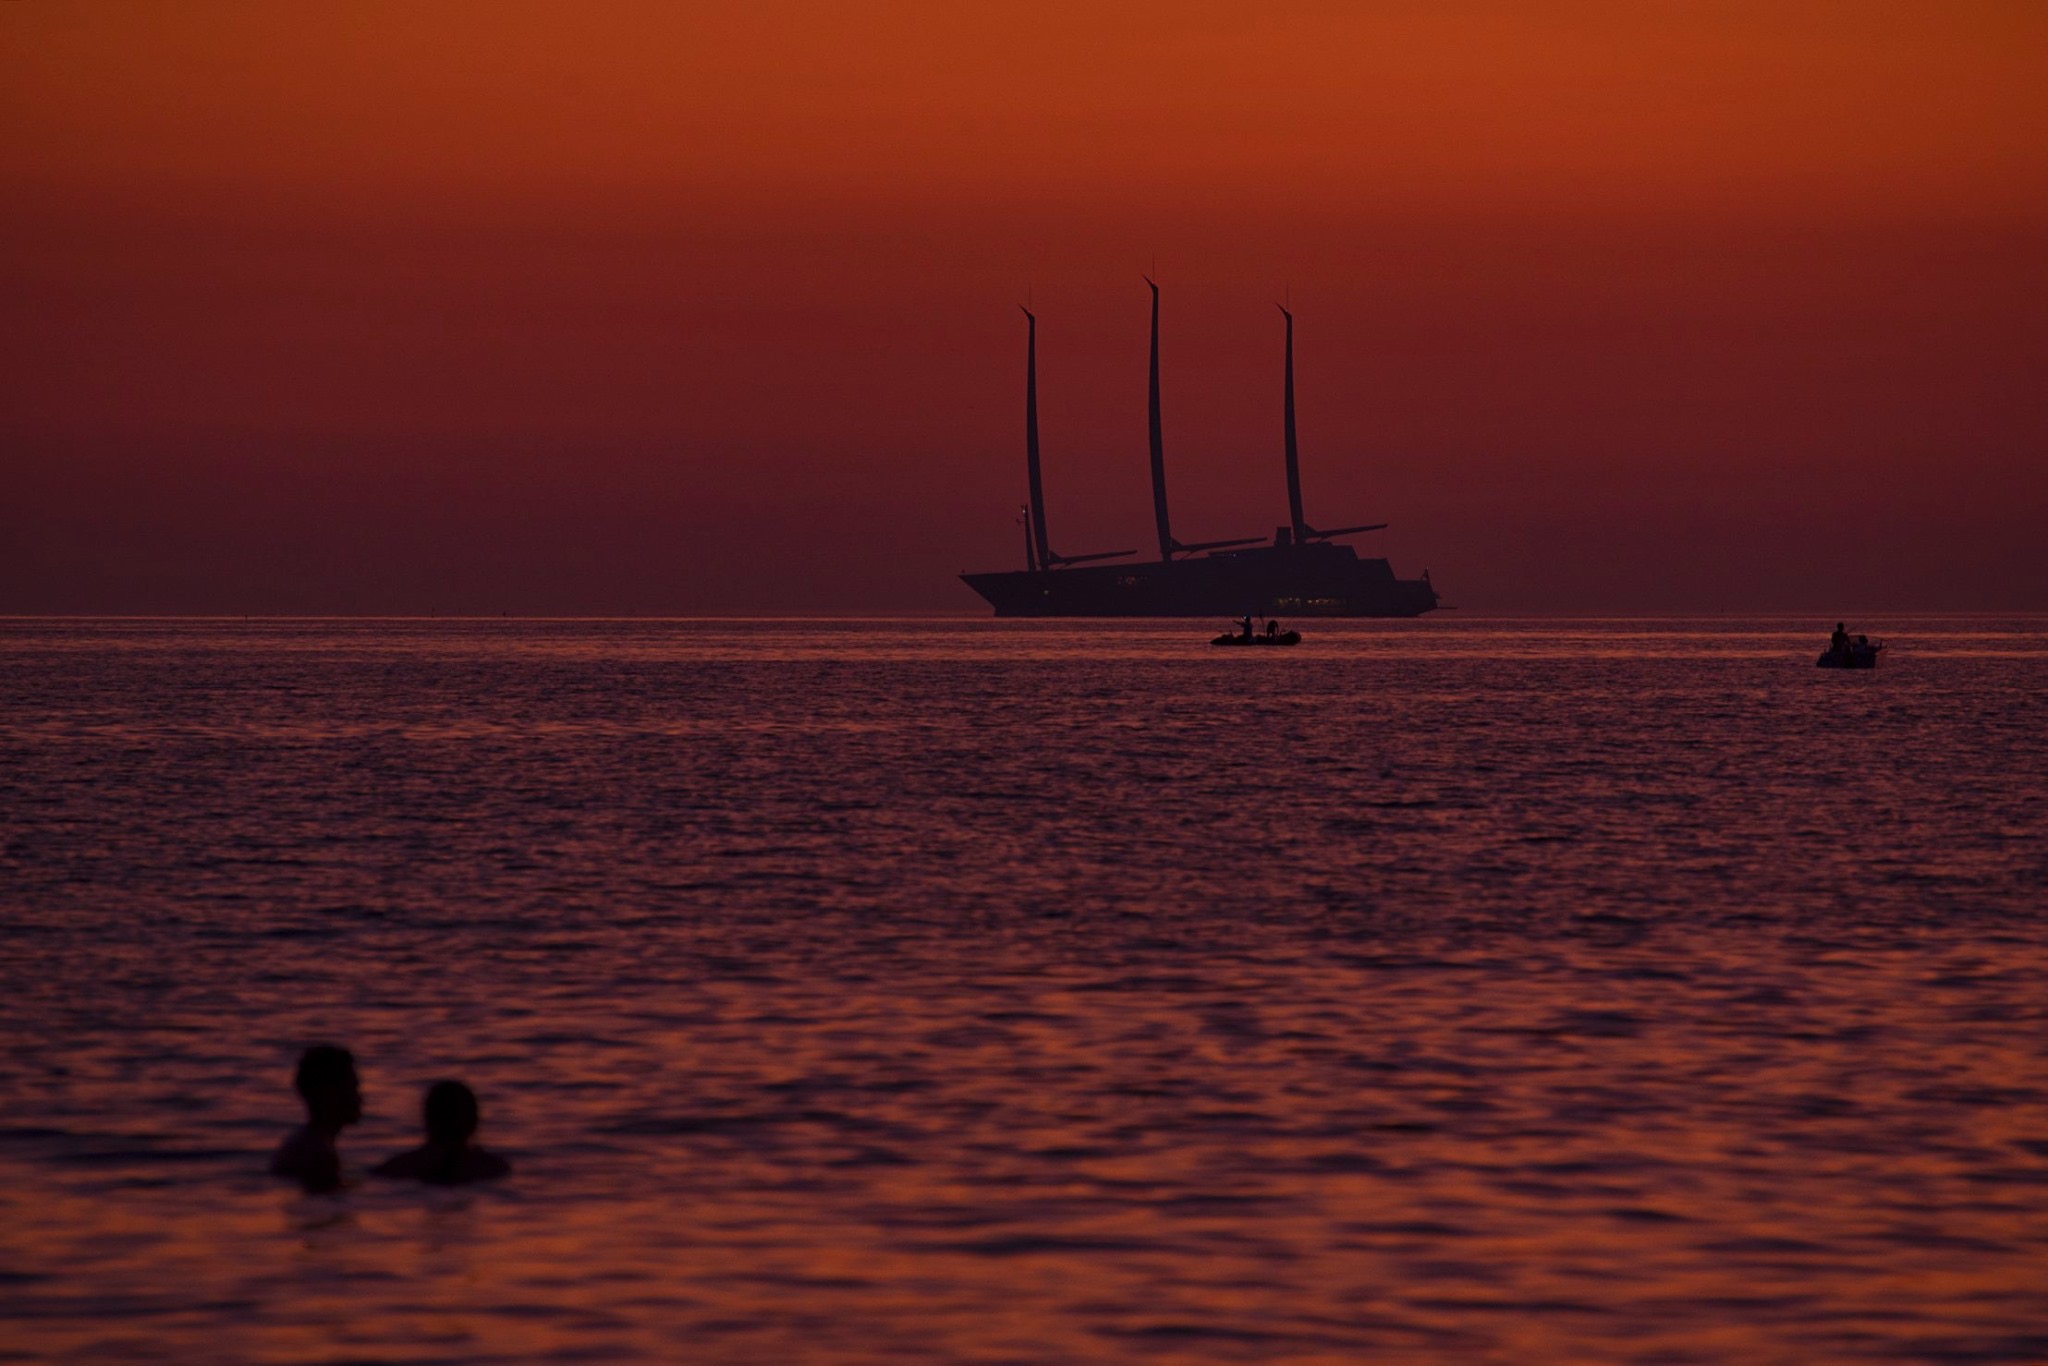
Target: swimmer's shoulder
x,y
308,1158
485,1165
410,1165
436,1166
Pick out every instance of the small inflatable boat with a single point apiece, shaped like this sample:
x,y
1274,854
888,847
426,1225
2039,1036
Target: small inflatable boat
x,y
1239,638
1859,655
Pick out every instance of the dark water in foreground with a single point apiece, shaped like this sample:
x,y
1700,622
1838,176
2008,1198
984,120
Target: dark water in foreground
x,y
904,991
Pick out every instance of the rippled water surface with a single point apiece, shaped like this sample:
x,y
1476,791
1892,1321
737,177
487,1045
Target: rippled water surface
x,y
960,991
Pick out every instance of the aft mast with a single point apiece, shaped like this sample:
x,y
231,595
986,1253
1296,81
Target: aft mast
x,y
1294,517
1037,513
1303,532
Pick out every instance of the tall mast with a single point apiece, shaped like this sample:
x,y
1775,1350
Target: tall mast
x,y
1303,532
1158,438
1301,528
1038,552
1167,545
1037,513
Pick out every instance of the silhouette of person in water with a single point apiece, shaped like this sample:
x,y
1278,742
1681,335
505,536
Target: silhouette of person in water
x,y
326,1081
1839,641
447,1158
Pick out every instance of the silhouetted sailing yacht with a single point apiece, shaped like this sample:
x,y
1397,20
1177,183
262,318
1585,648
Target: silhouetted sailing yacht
x,y
1301,573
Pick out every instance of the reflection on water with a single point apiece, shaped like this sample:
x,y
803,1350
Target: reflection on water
x,y
961,991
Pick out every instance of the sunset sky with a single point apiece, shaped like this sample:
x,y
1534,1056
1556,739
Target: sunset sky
x,y
708,307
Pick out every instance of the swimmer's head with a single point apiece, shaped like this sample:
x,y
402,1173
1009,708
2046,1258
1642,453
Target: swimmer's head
x,y
327,1081
450,1112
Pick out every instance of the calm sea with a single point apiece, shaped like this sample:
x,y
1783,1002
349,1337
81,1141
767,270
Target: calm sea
x,y
958,991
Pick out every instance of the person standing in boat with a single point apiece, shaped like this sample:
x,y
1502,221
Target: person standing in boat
x,y
1272,628
1839,641
1245,624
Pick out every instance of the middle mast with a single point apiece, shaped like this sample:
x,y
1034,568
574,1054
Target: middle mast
x,y
1168,545
1158,438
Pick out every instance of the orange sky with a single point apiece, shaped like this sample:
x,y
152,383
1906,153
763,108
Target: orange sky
x,y
533,307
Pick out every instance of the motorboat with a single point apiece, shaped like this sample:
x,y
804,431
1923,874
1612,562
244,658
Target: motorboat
x,y
1273,638
1857,654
